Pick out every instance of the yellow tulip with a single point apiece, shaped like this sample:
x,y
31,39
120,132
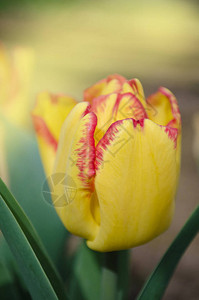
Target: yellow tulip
x,y
120,155
15,72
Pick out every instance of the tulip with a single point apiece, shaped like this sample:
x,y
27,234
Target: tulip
x,y
122,155
15,73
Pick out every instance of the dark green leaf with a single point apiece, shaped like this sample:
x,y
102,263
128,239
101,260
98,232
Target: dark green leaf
x,y
34,276
159,279
20,235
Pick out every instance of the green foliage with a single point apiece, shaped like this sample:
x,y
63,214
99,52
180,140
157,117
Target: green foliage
x,y
36,268
86,281
159,279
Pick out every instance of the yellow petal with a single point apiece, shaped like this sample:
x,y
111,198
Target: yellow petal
x,y
134,87
111,84
17,106
104,109
48,117
113,107
129,106
75,158
15,74
136,179
165,108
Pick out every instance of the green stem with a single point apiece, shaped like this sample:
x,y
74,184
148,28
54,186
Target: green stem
x,y
109,276
115,275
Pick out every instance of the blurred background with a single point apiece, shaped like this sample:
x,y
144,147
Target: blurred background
x,y
75,43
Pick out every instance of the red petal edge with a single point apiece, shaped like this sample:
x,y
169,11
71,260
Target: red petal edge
x,y
86,151
43,131
172,133
109,137
136,105
174,105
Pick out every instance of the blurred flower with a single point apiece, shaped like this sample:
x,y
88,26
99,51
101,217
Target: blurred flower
x,y
48,116
15,72
120,155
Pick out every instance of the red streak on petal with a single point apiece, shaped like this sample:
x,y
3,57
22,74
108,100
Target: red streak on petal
x,y
134,86
136,122
43,131
87,110
119,78
54,98
95,91
107,139
86,151
134,104
173,102
99,102
172,133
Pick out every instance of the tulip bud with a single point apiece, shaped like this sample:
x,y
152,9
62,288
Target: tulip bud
x,y
123,154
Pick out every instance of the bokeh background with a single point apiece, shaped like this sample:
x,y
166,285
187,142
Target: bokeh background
x,y
76,43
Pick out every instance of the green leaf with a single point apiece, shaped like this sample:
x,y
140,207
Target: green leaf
x,y
10,288
37,269
7,289
159,279
87,273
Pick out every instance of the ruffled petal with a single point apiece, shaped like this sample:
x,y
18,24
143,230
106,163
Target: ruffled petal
x,y
111,84
134,87
75,158
163,109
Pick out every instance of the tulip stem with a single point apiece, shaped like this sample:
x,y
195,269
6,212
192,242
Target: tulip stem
x,y
109,276
115,273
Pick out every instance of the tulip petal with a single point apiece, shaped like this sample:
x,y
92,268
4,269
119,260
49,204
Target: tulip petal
x,y
104,108
111,108
75,158
135,183
15,74
48,117
165,108
134,87
129,106
111,84
18,100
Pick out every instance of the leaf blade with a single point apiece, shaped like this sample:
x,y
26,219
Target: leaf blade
x,y
155,286
36,280
32,238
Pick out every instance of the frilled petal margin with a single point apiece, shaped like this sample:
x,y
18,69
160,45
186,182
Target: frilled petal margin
x,y
76,157
111,84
